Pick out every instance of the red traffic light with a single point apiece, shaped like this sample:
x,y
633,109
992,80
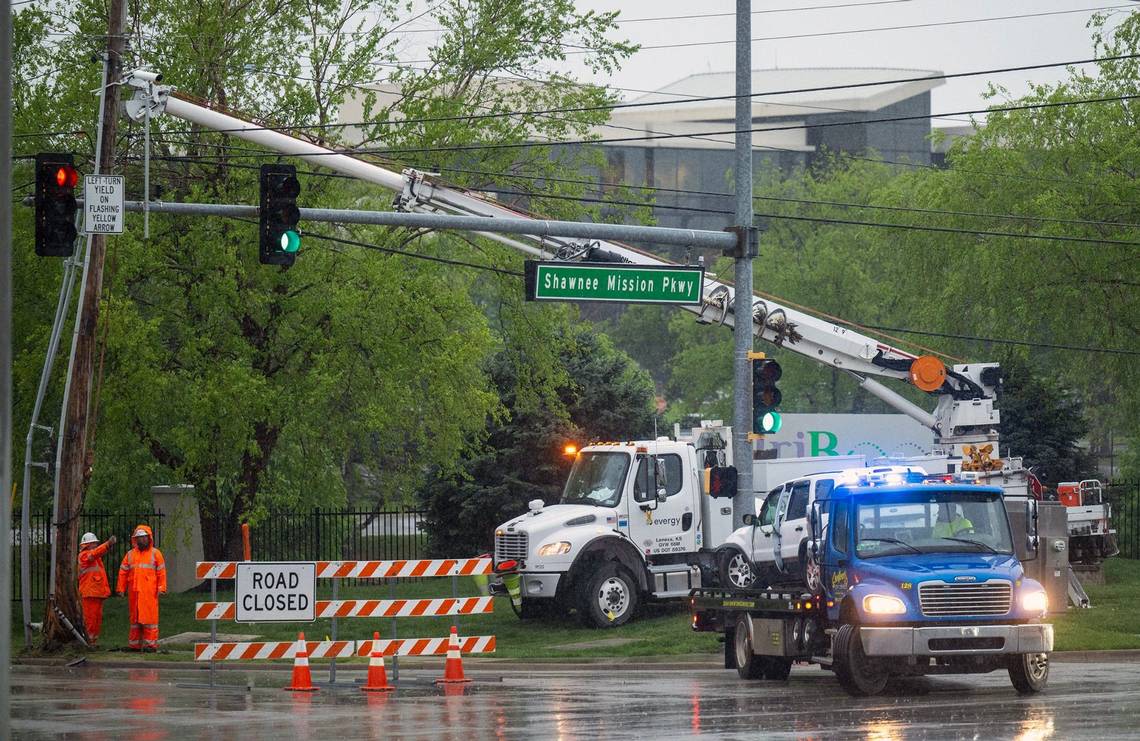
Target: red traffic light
x,y
66,176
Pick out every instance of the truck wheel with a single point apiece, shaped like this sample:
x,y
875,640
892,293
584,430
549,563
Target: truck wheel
x,y
1029,672
853,669
608,597
736,570
748,664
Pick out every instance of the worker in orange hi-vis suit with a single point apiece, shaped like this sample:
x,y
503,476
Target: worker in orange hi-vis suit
x,y
142,577
93,584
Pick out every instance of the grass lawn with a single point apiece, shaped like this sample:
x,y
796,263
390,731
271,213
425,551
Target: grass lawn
x,y
1113,621
662,630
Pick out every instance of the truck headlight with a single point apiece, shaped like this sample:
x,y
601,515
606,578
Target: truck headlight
x,y
554,549
1036,601
882,604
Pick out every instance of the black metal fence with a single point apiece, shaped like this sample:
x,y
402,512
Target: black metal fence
x,y
314,535
103,524
1125,498
338,535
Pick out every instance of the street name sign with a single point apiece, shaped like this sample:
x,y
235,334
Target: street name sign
x,y
613,282
103,204
267,592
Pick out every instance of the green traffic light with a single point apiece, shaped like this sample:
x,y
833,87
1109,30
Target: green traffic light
x,y
771,422
290,241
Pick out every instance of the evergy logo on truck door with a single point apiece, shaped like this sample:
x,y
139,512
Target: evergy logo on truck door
x,y
818,435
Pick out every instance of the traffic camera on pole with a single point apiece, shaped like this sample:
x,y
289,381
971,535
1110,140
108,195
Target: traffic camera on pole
x,y
56,178
279,238
765,396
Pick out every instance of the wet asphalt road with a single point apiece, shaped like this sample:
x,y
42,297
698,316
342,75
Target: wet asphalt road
x,y
1097,701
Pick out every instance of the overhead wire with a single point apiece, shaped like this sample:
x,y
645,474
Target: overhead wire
x,y
935,77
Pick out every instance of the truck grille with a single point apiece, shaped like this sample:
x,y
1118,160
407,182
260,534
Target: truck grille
x,y
510,545
988,598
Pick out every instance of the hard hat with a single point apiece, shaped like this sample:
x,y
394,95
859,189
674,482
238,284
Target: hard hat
x,y
140,533
88,538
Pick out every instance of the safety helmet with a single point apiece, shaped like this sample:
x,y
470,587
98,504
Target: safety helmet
x,y
140,533
88,538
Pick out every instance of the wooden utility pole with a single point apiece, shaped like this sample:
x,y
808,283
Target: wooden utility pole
x,y
74,455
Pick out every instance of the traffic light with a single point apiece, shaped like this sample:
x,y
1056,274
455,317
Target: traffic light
x,y
765,396
56,178
279,238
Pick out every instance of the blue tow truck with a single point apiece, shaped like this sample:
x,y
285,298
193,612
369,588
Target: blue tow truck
x,y
919,576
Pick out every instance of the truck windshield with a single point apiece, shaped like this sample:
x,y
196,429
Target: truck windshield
x,y
932,522
597,478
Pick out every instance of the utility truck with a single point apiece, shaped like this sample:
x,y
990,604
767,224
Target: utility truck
x,y
918,577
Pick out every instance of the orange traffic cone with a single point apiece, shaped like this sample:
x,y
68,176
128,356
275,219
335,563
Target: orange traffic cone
x,y
453,667
377,678
302,680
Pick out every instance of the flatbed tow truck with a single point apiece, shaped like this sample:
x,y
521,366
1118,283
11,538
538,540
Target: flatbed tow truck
x,y
919,577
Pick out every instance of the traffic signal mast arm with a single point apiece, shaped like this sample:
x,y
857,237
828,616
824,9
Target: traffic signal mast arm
x,y
964,414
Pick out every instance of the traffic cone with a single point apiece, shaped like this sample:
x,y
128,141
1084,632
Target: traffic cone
x,y
453,667
377,678
302,680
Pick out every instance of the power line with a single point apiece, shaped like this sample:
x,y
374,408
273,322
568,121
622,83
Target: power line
x,y
911,26
685,100
819,219
1001,341
767,129
415,255
679,191
622,21
206,159
848,32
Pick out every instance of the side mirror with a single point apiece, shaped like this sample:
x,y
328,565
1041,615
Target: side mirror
x,y
661,495
749,519
1031,539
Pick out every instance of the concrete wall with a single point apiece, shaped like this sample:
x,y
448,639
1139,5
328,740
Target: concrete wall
x,y
181,534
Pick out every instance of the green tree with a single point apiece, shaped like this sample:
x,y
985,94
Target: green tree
x,y
1043,422
354,370
605,396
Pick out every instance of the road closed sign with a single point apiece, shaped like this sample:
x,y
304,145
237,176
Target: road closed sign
x,y
275,592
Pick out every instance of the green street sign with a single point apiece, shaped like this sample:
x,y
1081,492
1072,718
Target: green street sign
x,y
613,282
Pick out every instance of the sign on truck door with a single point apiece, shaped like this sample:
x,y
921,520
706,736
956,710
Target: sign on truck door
x,y
662,527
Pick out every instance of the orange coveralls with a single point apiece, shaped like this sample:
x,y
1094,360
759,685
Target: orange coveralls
x,y
142,576
93,587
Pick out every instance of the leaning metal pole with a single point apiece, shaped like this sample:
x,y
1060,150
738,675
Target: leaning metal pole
x,y
742,330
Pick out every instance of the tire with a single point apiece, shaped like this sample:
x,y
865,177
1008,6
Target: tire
x,y
748,664
736,570
853,669
751,666
1029,672
608,597
810,574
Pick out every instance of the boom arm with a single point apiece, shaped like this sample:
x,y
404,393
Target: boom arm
x,y
965,411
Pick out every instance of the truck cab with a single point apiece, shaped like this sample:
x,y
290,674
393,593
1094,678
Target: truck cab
x,y
918,577
630,519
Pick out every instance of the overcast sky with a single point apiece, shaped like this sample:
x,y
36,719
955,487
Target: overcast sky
x,y
952,48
